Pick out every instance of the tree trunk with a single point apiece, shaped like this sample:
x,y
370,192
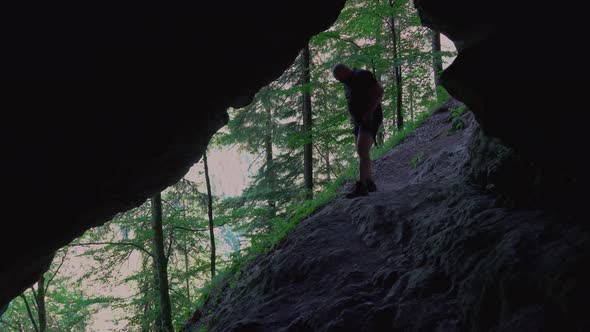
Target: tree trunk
x,y
186,276
270,176
161,264
378,41
40,300
29,312
436,59
210,214
328,166
412,103
307,124
158,318
144,286
397,70
380,134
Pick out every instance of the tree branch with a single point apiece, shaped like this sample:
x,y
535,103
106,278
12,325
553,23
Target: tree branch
x,y
29,312
63,259
350,42
32,288
137,246
171,236
198,230
323,156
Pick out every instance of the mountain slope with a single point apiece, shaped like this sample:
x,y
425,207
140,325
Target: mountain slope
x,y
429,251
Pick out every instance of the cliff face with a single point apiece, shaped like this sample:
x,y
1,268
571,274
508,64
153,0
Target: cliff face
x,y
110,103
430,251
106,104
515,70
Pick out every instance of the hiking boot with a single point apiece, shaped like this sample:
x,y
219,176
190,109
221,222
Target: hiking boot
x,y
359,189
371,186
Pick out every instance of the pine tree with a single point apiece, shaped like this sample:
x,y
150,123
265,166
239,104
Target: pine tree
x,y
397,68
436,58
161,263
53,303
307,123
210,213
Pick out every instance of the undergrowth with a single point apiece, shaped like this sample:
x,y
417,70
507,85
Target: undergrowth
x,y
457,122
417,159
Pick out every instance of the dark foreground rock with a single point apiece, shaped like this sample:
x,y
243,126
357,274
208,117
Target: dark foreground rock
x,y
430,251
512,89
106,103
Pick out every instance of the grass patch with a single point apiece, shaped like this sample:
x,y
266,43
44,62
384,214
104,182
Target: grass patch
x,y
457,122
417,159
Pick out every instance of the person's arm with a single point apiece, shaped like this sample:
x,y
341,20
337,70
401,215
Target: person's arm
x,y
374,92
375,96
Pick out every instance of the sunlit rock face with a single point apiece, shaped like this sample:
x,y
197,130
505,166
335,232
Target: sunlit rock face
x,y
516,70
112,102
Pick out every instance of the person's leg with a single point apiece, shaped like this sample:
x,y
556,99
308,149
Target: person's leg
x,y
364,142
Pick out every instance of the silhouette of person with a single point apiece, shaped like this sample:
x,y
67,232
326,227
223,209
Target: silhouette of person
x,y
363,95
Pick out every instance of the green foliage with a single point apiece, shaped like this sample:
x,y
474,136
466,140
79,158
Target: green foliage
x,y
417,159
128,238
457,122
67,307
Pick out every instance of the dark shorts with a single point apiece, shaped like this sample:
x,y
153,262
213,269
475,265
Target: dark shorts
x,y
368,127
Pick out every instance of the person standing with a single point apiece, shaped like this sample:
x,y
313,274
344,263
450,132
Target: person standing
x,y
363,95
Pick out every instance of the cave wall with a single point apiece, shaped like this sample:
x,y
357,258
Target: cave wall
x,y
107,103
519,71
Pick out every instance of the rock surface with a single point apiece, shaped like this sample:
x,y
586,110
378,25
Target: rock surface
x,y
520,91
430,251
107,103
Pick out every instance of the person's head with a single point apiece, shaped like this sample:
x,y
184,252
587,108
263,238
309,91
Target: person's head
x,y
342,73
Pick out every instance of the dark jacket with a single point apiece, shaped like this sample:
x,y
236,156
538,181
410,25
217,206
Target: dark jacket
x,y
357,96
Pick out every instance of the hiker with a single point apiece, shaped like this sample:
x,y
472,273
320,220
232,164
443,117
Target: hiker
x,y
363,95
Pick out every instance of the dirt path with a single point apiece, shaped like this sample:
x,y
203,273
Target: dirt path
x,y
418,255
393,170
